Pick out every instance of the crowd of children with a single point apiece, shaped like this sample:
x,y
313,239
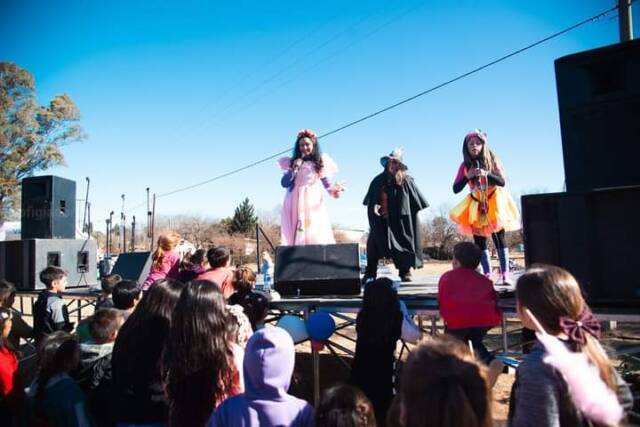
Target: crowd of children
x,y
197,353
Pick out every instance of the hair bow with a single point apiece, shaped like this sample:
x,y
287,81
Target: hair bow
x,y
575,329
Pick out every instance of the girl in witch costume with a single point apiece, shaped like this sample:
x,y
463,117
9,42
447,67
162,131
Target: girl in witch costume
x,y
305,220
393,202
488,210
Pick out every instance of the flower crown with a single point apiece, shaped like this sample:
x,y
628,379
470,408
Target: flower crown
x,y
307,133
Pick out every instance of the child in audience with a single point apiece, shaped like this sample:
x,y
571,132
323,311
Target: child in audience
x,y
50,313
166,261
11,392
467,300
268,365
201,364
345,406
20,328
539,394
239,326
126,295
94,374
193,266
139,396
55,399
254,303
378,326
107,283
219,272
442,385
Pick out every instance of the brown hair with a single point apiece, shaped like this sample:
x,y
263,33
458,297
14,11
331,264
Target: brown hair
x,y
51,274
550,293
7,290
104,324
346,406
244,279
316,154
443,385
468,254
488,160
109,282
166,242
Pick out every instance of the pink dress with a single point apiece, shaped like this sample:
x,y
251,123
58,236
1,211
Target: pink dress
x,y
305,219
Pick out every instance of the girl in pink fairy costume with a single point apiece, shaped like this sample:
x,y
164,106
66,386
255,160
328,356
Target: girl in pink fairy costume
x,y
305,220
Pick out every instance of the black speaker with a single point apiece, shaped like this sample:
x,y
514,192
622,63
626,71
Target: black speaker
x,y
317,270
599,104
48,208
594,235
21,261
133,266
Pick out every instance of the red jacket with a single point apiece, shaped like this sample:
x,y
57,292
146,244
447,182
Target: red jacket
x,y
222,276
467,299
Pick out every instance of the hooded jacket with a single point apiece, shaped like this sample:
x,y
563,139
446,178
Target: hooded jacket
x,y
268,366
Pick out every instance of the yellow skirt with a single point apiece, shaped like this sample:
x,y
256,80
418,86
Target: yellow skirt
x,y
501,213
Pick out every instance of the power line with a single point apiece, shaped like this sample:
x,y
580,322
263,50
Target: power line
x,y
402,102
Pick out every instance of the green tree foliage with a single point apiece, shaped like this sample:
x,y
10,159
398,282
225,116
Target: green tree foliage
x,y
30,135
244,219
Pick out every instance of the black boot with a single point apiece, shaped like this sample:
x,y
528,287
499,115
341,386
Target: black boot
x,y
405,275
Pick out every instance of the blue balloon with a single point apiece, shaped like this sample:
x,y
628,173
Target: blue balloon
x,y
295,326
320,325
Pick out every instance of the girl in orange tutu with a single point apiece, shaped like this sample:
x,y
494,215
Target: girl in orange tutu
x,y
488,209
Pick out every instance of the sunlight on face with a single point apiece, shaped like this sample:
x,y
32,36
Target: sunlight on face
x,y
474,146
306,146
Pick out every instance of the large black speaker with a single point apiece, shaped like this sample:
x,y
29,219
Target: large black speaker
x,y
594,235
133,266
48,208
599,103
21,261
317,270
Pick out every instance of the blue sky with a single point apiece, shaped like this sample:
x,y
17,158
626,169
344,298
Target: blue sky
x,y
174,93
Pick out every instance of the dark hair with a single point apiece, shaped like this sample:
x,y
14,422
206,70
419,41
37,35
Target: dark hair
x,y
468,254
104,324
139,344
197,361
218,256
550,293
109,281
254,303
125,293
443,385
380,318
487,159
198,257
58,352
345,406
51,274
7,290
316,154
244,279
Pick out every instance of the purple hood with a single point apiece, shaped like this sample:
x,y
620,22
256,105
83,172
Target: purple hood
x,y
268,364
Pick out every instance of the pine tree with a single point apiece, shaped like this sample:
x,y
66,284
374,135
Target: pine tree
x,y
244,219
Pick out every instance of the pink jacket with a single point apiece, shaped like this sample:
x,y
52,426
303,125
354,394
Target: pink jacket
x,y
168,270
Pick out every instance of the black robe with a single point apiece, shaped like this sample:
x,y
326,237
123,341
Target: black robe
x,y
399,236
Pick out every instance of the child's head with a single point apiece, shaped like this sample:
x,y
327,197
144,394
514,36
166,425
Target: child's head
x,y
443,385
168,241
54,278
466,255
5,325
126,294
104,325
256,307
345,406
475,147
198,258
7,293
244,279
58,352
218,257
554,297
108,282
197,357
380,318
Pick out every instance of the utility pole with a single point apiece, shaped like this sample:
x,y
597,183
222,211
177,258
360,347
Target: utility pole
x,y
625,20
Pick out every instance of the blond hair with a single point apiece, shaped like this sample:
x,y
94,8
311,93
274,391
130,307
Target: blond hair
x,y
166,243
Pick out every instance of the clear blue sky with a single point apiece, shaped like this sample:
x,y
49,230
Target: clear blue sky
x,y
174,93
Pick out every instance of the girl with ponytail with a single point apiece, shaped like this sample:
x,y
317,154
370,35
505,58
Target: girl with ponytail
x,y
166,262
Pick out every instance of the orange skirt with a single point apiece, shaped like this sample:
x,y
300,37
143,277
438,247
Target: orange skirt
x,y
501,213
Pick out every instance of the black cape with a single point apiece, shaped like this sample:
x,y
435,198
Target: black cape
x,y
399,236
